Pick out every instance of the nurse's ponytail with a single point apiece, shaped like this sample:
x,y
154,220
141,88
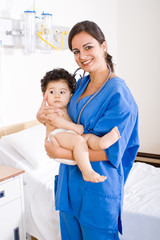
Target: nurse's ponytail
x,y
94,30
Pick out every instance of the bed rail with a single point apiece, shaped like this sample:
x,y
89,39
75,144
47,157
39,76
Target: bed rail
x,y
17,127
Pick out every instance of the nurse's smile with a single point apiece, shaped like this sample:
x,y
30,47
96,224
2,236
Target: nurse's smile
x,y
86,63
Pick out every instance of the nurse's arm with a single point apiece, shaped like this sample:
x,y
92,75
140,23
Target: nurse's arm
x,y
96,156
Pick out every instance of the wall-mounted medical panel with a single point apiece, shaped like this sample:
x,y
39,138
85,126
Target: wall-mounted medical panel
x,y
25,34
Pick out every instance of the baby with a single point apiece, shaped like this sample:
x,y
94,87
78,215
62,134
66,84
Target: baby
x,y
58,87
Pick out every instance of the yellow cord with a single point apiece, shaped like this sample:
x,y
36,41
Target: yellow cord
x,y
39,35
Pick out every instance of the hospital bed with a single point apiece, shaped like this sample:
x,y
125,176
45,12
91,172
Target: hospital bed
x,y
141,210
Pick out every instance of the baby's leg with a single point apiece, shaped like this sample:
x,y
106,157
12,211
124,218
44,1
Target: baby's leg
x,y
96,143
78,145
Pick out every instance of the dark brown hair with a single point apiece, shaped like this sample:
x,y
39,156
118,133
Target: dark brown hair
x,y
56,75
94,30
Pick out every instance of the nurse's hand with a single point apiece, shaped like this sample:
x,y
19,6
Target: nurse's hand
x,y
54,150
45,111
52,147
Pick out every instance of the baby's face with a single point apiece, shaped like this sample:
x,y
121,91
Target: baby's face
x,y
58,93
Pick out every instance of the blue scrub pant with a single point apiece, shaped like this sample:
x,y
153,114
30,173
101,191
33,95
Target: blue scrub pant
x,y
71,229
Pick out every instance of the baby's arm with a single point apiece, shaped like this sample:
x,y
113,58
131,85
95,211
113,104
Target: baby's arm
x,y
60,122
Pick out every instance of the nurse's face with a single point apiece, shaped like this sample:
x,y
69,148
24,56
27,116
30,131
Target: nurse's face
x,y
88,53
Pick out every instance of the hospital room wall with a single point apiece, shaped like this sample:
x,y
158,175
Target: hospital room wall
x,y
20,93
133,34
138,62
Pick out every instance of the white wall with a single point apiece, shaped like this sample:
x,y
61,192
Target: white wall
x,y
20,93
132,30
139,63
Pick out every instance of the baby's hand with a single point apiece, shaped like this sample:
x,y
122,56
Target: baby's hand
x,y
79,129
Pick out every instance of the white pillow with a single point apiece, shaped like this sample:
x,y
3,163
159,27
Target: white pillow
x,y
30,144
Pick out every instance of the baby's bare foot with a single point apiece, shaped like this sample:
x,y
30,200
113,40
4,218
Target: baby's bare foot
x,y
110,138
92,176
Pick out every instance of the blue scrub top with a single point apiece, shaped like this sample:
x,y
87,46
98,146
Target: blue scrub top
x,y
99,205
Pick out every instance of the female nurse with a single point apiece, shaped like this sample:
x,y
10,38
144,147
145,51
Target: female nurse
x,y
92,211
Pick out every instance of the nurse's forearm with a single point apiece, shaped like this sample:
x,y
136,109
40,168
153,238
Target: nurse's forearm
x,y
96,156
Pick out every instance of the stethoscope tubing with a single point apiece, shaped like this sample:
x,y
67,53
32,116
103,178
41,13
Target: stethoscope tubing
x,y
82,77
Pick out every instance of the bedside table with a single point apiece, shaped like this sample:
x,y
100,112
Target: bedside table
x,y
11,204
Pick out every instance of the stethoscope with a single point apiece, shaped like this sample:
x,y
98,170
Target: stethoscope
x,y
82,77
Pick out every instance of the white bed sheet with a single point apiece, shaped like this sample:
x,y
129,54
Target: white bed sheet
x,y
141,211
42,221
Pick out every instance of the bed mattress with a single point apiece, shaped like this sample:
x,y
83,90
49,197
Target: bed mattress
x,y
141,210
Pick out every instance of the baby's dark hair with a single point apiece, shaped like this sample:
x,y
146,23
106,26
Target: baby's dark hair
x,y
57,74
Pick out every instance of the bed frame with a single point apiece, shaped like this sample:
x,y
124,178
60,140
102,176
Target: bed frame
x,y
153,159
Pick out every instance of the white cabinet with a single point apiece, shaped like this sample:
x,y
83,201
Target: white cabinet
x,y
11,204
